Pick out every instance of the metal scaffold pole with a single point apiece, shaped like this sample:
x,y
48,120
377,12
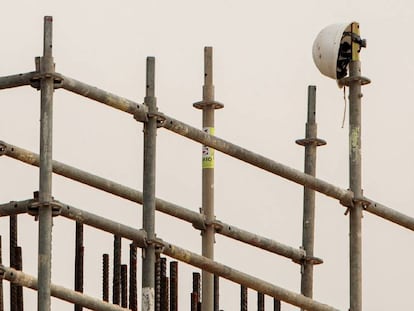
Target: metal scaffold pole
x,y
355,212
355,81
335,49
150,133
208,105
311,142
45,178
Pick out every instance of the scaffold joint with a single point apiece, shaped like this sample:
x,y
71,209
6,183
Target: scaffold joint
x,y
208,104
311,141
35,81
33,209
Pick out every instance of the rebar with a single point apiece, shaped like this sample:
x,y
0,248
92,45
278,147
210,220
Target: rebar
x,y
79,258
173,286
216,293
116,278
105,277
124,286
1,279
148,210
165,294
59,292
260,302
45,173
243,298
163,284
133,299
157,285
276,304
196,293
13,261
19,288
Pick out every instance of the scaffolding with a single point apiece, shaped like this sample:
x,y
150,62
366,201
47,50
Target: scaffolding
x,y
205,290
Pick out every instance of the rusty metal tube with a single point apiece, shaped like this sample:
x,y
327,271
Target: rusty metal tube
x,y
99,222
104,97
45,171
344,196
311,142
243,278
136,196
17,80
57,291
15,207
149,200
355,184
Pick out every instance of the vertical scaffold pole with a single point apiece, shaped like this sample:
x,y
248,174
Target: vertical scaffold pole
x,y
208,105
311,142
150,134
45,174
355,180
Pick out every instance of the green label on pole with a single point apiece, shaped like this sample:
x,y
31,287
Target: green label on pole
x,y
208,152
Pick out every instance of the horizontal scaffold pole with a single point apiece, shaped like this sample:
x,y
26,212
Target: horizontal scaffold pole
x,y
20,79
139,237
23,279
344,196
388,213
115,101
196,219
166,207
242,278
15,207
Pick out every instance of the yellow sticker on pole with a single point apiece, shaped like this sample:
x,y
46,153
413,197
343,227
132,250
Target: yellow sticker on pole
x,y
208,152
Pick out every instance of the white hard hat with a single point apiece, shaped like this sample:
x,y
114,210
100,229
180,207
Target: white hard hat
x,y
326,50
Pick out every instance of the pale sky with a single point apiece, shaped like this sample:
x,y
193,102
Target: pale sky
x,y
262,67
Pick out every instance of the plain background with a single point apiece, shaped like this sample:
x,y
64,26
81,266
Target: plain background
x,y
262,67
